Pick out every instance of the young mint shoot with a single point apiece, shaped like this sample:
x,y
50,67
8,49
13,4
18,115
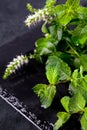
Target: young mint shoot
x,y
64,46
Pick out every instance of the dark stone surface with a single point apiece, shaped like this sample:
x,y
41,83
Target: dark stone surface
x,y
12,16
10,119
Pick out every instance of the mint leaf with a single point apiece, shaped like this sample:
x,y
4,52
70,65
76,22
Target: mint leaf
x,y
74,79
62,118
67,12
73,3
44,28
46,94
79,35
77,62
76,103
83,61
82,13
59,33
52,69
64,15
65,71
80,87
44,46
83,120
66,18
78,83
65,103
50,3
55,32
60,10
57,70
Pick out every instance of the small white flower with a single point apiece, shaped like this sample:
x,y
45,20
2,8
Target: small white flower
x,y
41,14
16,67
15,64
14,59
26,61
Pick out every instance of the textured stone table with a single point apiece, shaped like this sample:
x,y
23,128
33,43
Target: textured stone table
x,y
12,16
10,119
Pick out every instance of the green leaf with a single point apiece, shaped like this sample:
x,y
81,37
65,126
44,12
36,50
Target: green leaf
x,y
76,103
59,33
50,3
83,120
64,15
73,3
67,12
77,62
44,28
75,77
62,118
78,83
79,35
66,18
83,61
52,69
80,87
53,31
46,94
44,46
57,70
56,32
64,56
60,10
82,13
65,103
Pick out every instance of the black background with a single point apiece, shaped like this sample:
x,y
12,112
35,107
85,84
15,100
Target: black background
x,y
12,16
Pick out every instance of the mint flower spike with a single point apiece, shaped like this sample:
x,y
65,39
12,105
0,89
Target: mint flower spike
x,y
15,64
30,8
39,15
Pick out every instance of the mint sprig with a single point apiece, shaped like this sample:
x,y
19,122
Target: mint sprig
x,y
64,46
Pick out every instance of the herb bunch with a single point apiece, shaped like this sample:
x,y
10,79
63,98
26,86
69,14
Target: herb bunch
x,y
65,47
